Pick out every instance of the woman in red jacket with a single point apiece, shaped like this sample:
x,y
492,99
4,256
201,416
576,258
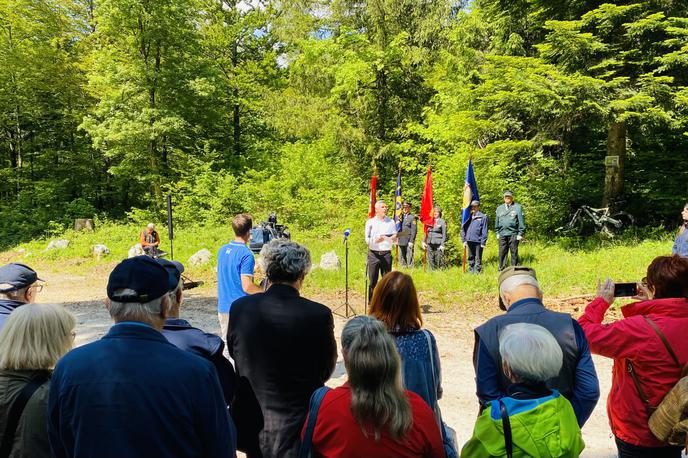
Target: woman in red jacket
x,y
372,416
636,346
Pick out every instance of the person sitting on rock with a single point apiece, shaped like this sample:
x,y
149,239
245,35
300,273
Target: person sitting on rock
x,y
150,242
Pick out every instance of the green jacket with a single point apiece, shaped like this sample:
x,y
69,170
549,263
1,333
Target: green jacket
x,y
544,427
509,221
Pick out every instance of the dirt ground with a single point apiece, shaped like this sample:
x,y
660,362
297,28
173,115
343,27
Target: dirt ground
x,y
83,295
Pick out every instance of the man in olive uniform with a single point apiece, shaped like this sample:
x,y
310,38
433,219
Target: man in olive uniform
x,y
407,235
510,226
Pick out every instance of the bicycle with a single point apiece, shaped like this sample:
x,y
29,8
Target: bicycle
x,y
609,224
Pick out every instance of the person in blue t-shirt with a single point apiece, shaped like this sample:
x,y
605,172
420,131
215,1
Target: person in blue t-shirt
x,y
235,265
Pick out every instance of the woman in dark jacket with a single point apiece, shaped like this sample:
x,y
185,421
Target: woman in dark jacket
x,y
637,348
284,349
435,240
34,337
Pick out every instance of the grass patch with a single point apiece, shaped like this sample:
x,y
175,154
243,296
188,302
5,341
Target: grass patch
x,y
565,267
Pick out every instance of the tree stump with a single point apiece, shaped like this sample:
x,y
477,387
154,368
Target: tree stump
x,y
83,224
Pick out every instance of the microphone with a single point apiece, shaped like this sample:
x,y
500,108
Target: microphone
x,y
347,232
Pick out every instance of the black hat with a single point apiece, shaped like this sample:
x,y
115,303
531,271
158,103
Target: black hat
x,y
147,279
15,276
174,271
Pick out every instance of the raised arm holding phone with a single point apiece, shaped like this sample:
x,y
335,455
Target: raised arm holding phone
x,y
644,369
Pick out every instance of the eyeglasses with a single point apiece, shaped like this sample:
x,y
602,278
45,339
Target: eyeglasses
x,y
38,288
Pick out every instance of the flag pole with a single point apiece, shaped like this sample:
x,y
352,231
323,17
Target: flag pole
x,y
470,159
397,216
425,251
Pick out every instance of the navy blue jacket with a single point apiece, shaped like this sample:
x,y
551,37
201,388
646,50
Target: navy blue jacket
x,y
209,346
475,229
134,394
6,307
585,390
681,244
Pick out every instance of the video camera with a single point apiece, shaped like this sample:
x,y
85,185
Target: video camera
x,y
266,231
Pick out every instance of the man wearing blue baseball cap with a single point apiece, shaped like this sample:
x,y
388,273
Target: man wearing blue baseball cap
x,y
184,336
18,286
133,393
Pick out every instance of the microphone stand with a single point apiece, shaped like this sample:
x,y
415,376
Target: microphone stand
x,y
348,309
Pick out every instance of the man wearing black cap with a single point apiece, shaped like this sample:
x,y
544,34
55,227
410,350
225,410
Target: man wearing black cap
x,y
521,297
474,235
510,227
18,286
133,393
184,336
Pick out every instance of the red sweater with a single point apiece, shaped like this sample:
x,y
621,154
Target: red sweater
x,y
633,339
338,435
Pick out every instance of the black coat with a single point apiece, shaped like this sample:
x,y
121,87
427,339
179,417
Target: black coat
x,y
408,225
284,349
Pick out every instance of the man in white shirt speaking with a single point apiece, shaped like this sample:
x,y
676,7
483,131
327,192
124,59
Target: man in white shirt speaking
x,y
380,234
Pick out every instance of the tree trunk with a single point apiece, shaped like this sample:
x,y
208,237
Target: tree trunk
x,y
615,163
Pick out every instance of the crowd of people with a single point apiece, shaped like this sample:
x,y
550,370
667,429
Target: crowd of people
x,y
155,385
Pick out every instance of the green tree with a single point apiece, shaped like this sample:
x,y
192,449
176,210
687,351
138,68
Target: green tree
x,y
140,71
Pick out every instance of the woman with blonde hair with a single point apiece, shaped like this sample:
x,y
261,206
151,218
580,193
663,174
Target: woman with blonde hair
x,y
33,338
371,415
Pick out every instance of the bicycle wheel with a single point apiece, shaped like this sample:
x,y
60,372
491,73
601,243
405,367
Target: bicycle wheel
x,y
617,223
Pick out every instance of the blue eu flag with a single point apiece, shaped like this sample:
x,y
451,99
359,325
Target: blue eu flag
x,y
470,193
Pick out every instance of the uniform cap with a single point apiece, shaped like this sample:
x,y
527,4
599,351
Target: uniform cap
x,y
15,276
174,271
475,203
512,271
508,194
143,276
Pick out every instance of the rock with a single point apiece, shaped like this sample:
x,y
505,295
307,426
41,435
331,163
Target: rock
x,y
83,224
101,250
58,244
200,257
136,250
330,261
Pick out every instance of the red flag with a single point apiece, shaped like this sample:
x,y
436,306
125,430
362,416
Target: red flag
x,y
426,215
373,185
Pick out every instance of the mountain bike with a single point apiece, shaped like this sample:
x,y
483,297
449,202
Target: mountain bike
x,y
599,219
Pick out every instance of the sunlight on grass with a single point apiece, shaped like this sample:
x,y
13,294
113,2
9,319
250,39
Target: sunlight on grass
x,y
565,268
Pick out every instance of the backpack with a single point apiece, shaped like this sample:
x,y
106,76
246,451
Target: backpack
x,y
669,420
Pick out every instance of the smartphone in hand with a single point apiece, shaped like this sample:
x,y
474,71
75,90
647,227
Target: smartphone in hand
x,y
625,289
